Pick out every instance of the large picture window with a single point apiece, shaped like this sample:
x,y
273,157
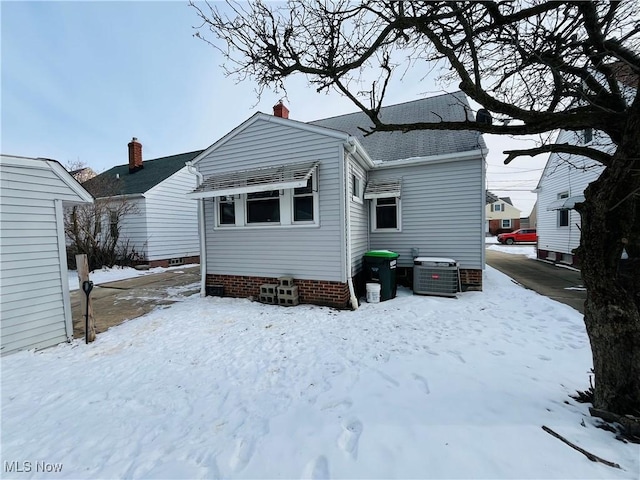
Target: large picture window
x,y
263,207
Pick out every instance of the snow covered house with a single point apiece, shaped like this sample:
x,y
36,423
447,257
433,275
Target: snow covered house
x,y
35,310
502,216
281,197
162,224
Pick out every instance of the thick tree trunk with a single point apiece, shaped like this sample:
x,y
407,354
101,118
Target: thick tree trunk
x,y
610,226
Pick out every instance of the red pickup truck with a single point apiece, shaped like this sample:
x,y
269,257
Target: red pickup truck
x,y
523,235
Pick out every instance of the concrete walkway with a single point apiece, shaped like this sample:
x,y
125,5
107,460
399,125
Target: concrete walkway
x,y
561,284
115,302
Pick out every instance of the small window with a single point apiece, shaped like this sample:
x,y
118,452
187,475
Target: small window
x,y
498,207
587,135
563,214
113,223
226,211
356,187
386,213
263,207
506,223
303,203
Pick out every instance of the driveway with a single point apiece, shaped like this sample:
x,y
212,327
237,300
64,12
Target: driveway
x,y
115,302
561,284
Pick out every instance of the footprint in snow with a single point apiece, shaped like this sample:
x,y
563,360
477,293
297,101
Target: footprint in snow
x,y
342,405
241,454
423,383
317,469
348,440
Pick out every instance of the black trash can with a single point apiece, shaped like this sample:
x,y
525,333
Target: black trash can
x,y
380,267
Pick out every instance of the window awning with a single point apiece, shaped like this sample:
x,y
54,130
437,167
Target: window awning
x,y
565,203
293,175
382,188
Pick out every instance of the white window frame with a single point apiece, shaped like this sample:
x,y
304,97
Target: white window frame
x,y
357,189
286,199
374,217
498,207
508,221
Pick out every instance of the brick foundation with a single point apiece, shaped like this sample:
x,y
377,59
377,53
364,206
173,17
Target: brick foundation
x,y
316,292
165,263
471,279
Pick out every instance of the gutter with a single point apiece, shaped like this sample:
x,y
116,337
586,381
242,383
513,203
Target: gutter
x,y
201,231
351,149
448,157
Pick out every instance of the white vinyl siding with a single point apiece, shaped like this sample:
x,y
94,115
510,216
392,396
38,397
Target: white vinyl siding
x,y
172,218
309,252
456,231
34,308
133,227
359,218
562,177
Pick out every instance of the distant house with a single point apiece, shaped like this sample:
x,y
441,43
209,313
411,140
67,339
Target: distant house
x,y
163,226
562,185
307,200
82,174
35,310
502,216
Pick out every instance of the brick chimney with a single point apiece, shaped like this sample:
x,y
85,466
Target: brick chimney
x,y
279,110
135,155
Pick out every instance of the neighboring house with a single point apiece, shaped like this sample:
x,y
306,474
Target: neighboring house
x,y
561,186
563,182
162,226
82,174
35,311
532,220
502,216
287,198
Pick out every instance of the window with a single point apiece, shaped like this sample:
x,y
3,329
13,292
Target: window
x,y
303,203
356,188
386,213
498,207
587,135
226,211
263,207
113,223
506,223
563,214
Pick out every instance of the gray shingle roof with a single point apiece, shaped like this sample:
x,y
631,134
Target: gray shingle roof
x,y
154,172
386,146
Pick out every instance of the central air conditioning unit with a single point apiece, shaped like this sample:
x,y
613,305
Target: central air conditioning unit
x,y
436,276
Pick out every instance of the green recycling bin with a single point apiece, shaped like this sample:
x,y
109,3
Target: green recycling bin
x,y
380,267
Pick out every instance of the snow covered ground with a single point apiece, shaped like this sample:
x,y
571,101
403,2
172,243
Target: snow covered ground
x,y
106,275
415,387
528,250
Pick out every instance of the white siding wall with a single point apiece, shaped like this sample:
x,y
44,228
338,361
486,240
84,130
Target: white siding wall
x,y
442,212
31,267
359,219
315,253
133,226
508,212
172,218
563,173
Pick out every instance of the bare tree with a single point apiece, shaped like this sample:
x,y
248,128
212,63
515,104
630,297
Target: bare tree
x,y
95,229
540,66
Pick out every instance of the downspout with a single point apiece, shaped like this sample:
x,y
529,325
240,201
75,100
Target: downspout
x,y
351,148
201,232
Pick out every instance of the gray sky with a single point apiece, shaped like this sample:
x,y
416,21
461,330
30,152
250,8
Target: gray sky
x,y
79,79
